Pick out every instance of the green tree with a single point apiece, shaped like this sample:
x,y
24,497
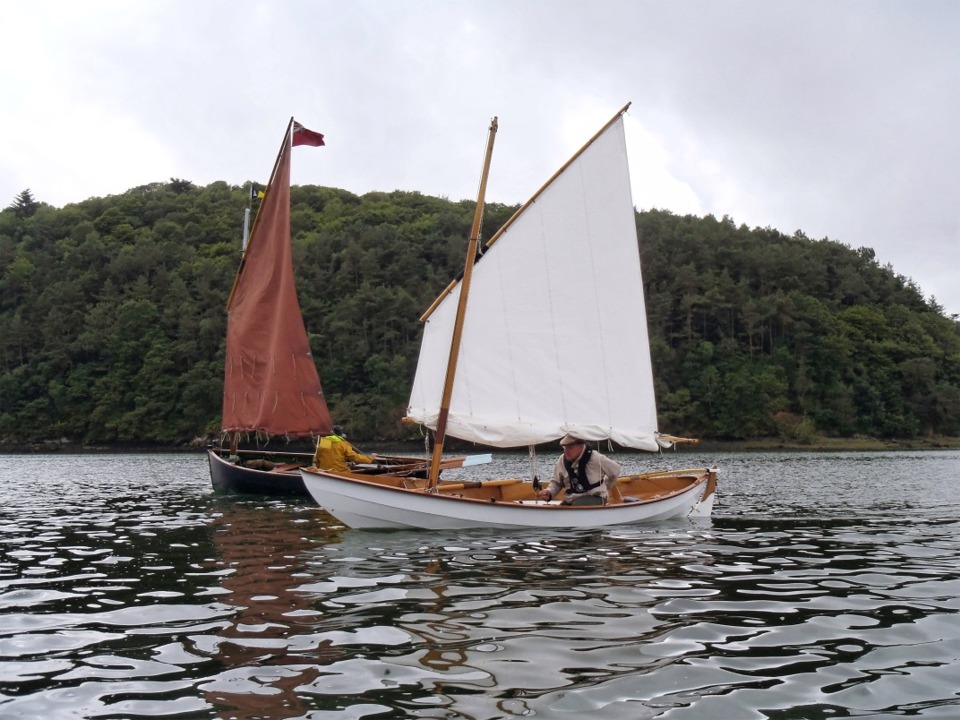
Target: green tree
x,y
112,318
24,205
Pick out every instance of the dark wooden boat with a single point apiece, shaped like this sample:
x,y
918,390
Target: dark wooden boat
x,y
262,472
271,387
257,471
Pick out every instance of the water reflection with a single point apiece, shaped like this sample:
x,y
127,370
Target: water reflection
x,y
141,595
671,619
260,654
92,583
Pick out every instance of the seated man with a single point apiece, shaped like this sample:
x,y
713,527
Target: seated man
x,y
334,452
585,474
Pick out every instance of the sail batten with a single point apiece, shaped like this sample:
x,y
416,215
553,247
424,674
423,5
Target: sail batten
x,y
556,339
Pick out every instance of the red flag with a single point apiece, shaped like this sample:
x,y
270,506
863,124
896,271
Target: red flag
x,y
302,136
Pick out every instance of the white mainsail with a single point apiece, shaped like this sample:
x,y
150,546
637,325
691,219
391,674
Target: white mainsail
x,y
555,335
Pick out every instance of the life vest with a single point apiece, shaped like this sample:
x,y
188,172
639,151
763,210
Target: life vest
x,y
577,474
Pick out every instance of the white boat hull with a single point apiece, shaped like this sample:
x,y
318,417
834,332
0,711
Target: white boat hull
x,y
370,504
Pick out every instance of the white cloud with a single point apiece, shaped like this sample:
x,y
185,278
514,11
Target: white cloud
x,y
656,177
833,118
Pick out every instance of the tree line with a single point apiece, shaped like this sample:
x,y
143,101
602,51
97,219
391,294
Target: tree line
x,y
113,322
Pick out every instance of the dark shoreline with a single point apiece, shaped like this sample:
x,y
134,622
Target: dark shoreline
x,y
830,444
718,446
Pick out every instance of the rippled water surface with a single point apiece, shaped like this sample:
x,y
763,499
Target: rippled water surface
x,y
826,585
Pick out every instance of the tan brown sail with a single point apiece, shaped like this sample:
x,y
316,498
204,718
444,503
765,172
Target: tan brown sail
x,y
271,384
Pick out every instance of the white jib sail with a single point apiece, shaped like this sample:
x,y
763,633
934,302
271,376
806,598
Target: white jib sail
x,y
555,334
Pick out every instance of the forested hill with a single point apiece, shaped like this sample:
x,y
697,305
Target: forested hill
x,y
112,318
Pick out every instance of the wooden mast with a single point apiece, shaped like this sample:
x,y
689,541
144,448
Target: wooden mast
x,y
441,431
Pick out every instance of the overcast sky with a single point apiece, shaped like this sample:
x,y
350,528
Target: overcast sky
x,y
838,119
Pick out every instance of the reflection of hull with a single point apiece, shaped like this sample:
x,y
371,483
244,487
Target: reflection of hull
x,y
391,502
257,563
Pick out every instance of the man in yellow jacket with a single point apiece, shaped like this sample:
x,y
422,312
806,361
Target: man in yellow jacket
x,y
334,452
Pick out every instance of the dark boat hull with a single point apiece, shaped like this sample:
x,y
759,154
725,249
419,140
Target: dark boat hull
x,y
236,478
262,472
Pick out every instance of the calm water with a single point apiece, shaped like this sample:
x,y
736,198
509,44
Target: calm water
x,y
825,586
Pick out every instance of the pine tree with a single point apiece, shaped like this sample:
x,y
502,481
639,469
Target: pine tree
x,y
24,205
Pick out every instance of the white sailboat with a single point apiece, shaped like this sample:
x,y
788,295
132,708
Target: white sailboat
x,y
544,335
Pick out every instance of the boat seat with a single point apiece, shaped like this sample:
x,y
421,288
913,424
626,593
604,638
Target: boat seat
x,y
456,485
